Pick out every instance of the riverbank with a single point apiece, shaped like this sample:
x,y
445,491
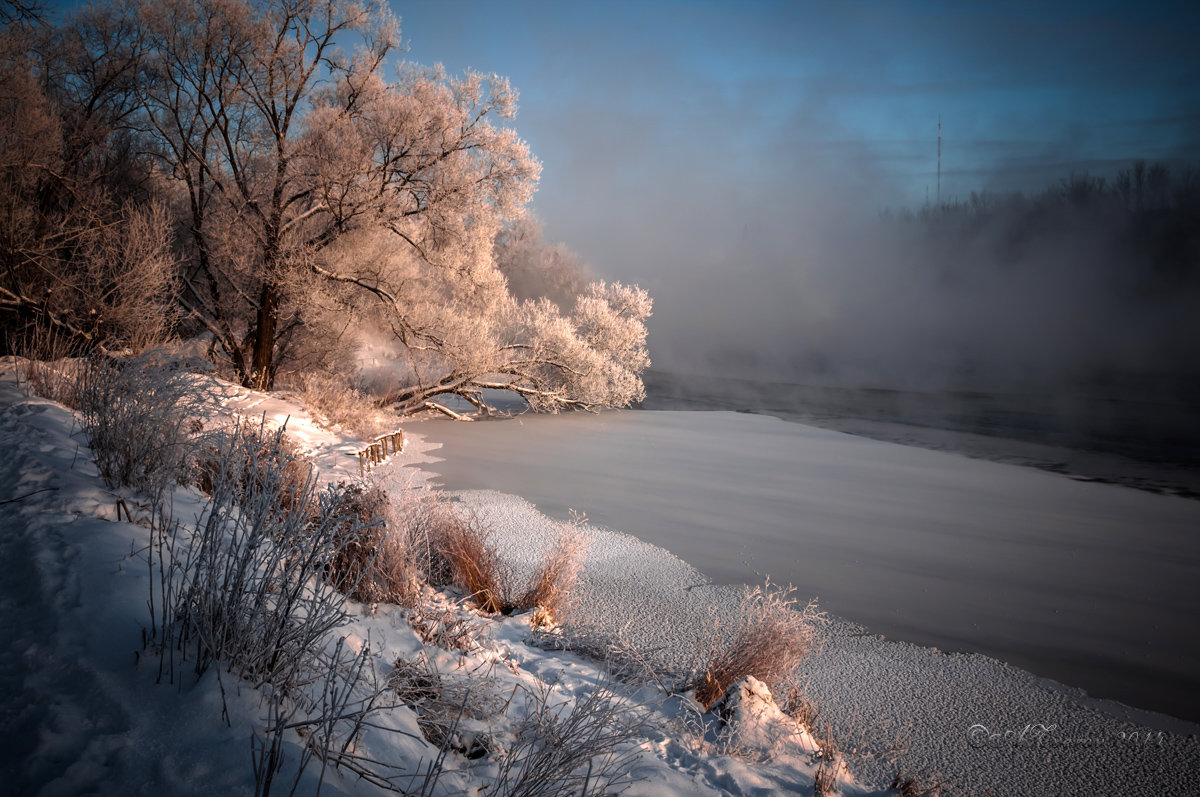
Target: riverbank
x,y
967,719
444,700
75,597
1086,583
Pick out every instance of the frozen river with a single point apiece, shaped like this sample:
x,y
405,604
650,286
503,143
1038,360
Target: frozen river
x,y
1091,584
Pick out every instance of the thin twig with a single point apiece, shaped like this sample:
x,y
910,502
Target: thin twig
x,y
27,495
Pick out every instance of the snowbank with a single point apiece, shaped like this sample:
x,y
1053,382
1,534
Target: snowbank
x,y
85,710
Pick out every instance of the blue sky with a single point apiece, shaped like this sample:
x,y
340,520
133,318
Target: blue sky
x,y
638,106
721,154
1027,91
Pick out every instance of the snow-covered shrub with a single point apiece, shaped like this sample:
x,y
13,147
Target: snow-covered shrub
x,y
246,587
374,563
580,747
330,717
451,629
446,703
335,403
256,443
140,415
770,641
251,591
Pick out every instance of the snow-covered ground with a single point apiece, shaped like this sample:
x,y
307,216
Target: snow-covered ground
x,y
84,711
721,485
1091,584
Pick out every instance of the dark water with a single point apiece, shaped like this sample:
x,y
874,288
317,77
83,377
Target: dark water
x,y
1142,433
1150,419
1091,584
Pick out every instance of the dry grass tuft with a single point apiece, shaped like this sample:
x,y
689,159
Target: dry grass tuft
x,y
797,706
826,778
826,746
549,591
52,363
244,587
464,545
387,552
771,640
57,381
825,781
461,548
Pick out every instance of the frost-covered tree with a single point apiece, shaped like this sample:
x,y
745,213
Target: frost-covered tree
x,y
85,254
324,200
589,358
310,202
286,149
536,268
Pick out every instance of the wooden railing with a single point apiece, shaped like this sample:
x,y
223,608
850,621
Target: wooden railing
x,y
383,447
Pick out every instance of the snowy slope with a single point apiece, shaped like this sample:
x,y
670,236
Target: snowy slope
x,y
85,710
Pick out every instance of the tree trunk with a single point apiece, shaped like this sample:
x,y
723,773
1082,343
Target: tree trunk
x,y
262,369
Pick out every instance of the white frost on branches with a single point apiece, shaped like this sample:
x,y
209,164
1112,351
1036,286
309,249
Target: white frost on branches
x,y
296,201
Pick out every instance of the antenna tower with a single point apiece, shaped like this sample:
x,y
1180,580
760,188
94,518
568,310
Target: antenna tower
x,y
939,182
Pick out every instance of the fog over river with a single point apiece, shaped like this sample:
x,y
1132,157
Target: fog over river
x,y
1095,585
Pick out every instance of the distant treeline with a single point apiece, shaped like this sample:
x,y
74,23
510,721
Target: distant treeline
x,y
1148,217
1092,281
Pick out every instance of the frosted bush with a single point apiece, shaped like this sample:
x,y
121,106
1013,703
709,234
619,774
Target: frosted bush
x,y
335,403
770,641
140,415
247,587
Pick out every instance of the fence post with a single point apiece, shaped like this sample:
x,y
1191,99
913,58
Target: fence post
x,y
378,451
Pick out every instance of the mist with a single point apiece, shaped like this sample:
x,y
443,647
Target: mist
x,y
742,166
763,172
1006,293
